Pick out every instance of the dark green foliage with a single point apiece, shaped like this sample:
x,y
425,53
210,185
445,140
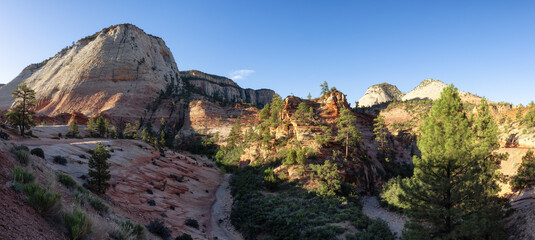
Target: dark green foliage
x,y
304,113
292,213
91,127
132,131
192,223
40,199
381,132
102,127
324,88
73,129
4,135
38,152
184,236
151,202
329,178
158,228
78,224
99,172
235,136
325,137
98,205
20,115
60,160
454,187
22,156
271,180
66,180
391,192
529,118
22,176
348,134
525,176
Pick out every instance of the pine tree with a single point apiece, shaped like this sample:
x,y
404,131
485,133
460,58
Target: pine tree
x,y
99,172
303,113
453,176
235,136
324,88
102,126
91,126
20,115
73,129
381,132
276,110
348,134
525,176
309,96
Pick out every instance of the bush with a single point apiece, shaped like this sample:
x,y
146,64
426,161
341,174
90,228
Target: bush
x,y
132,229
271,181
157,227
38,152
22,156
98,205
192,223
22,176
151,202
40,199
60,160
4,135
184,236
66,180
391,192
22,147
77,223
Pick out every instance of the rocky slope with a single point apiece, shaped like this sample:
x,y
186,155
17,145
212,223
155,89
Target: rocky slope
x,y
110,72
380,93
224,90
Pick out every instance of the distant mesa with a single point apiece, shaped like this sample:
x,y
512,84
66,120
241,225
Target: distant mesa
x,y
380,93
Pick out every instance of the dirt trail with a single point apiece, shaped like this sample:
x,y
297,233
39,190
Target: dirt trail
x,y
221,227
372,209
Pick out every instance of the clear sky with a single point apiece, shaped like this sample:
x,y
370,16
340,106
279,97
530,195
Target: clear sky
x,y
483,47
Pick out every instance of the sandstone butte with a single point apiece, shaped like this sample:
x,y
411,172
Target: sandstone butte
x,y
123,73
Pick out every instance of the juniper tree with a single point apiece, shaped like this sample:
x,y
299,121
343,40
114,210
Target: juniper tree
x,y
20,114
453,190
99,172
348,134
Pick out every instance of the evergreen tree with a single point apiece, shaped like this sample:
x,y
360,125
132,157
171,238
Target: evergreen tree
x,y
330,180
20,115
235,136
276,110
132,131
453,176
380,132
309,96
102,126
303,113
324,88
99,172
265,112
73,129
525,176
91,127
348,134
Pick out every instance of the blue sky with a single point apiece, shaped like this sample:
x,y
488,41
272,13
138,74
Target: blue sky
x,y
484,47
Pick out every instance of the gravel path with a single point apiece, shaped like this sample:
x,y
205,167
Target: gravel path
x,y
372,209
221,227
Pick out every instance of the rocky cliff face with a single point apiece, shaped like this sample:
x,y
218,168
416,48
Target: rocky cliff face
x,y
118,71
380,93
224,90
430,89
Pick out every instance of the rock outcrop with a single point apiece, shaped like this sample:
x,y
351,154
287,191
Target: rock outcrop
x,y
430,89
224,90
118,72
380,93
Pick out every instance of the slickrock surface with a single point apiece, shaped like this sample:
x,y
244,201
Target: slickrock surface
x,y
380,93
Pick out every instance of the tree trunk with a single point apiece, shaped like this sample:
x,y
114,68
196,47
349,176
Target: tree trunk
x,y
347,145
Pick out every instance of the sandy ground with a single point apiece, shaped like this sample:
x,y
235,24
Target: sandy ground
x,y
221,226
372,209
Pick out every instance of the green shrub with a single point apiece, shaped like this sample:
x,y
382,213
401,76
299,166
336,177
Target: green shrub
x,y
98,205
184,236
66,180
271,181
40,199
22,176
38,152
192,223
157,227
78,224
132,229
60,160
22,156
